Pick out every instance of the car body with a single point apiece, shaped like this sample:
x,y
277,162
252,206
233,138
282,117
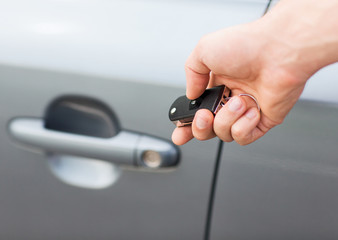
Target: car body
x,y
129,56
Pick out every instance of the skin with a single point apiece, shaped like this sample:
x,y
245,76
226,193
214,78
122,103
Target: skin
x,y
271,59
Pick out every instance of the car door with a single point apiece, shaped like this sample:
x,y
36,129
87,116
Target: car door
x,y
284,186
72,72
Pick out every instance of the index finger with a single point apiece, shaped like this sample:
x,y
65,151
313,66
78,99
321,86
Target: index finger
x,y
197,74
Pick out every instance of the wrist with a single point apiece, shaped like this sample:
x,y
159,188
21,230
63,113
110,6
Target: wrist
x,y
301,35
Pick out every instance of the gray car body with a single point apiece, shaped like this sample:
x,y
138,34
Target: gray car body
x,y
130,55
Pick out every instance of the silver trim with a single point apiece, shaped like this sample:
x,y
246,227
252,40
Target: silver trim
x,y
126,148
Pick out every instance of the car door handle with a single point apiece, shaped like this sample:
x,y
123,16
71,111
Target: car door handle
x,y
125,148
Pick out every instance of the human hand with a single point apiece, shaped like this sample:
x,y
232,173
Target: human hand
x,y
260,59
233,57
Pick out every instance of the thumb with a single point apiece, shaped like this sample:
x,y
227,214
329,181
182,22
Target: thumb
x,y
197,74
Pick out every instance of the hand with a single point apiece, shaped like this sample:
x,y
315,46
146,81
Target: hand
x,y
233,57
260,59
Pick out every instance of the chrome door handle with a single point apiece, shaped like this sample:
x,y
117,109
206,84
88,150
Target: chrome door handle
x,y
125,148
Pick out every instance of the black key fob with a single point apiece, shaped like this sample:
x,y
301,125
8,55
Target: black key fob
x,y
183,110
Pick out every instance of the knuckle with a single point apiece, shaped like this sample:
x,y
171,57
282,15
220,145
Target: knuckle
x,y
225,136
203,39
238,134
266,124
201,135
200,138
202,44
243,143
226,139
188,66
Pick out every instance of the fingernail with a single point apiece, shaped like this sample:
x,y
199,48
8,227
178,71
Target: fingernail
x,y
201,123
251,113
234,104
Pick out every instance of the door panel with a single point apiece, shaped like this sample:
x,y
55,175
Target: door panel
x,y
130,56
144,41
36,205
284,186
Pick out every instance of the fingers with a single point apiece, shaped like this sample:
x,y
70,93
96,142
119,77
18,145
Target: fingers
x,y
202,126
201,129
227,116
237,120
182,135
197,73
244,130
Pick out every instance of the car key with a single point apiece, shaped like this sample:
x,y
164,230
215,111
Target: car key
x,y
183,110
